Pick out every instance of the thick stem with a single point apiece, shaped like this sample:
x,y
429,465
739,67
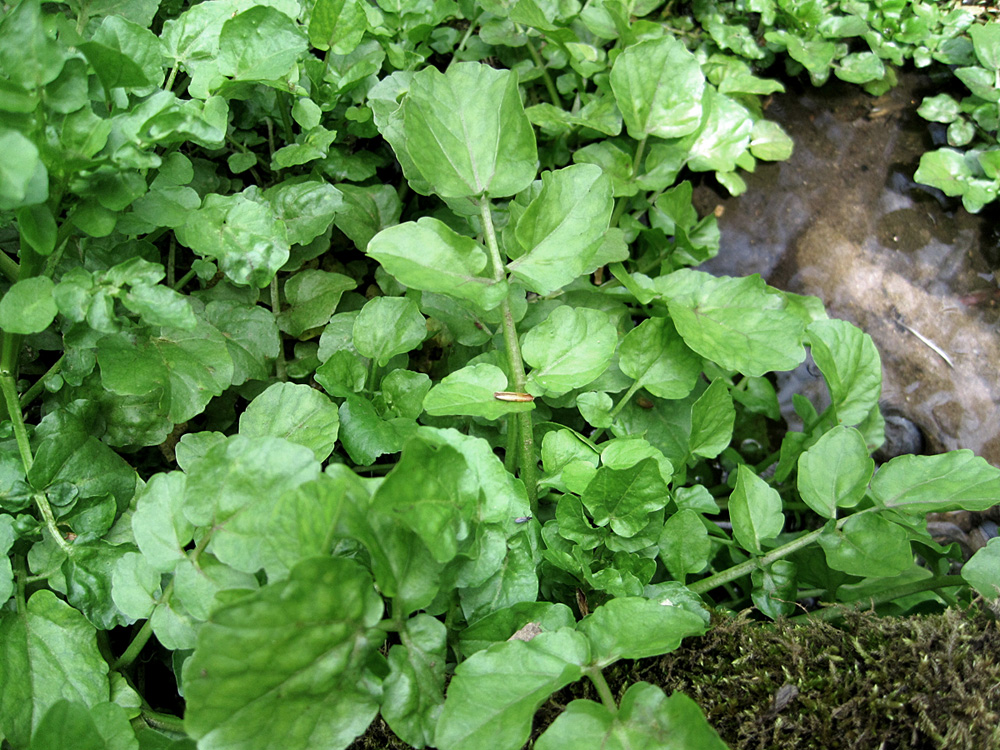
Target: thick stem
x,y
603,689
9,267
14,412
137,644
636,165
39,385
166,722
279,363
914,587
738,571
546,78
633,389
528,459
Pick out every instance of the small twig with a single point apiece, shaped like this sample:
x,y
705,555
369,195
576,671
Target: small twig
x,y
937,349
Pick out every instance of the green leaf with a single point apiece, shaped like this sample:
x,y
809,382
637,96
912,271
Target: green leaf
x,y
982,571
658,85
851,366
47,653
723,136
775,589
595,408
624,498
755,510
186,368
251,337
306,207
835,471
741,324
646,718
712,420
104,726
27,54
24,181
471,391
295,412
986,42
28,306
769,141
656,357
570,348
38,228
684,545
466,131
494,694
560,231
135,586
365,435
868,545
635,627
403,393
337,25
430,256
958,480
313,295
387,326
259,44
283,666
241,232
413,693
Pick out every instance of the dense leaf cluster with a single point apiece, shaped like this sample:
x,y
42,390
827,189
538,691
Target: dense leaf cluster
x,y
404,294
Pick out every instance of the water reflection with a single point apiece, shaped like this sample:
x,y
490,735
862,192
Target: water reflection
x,y
843,220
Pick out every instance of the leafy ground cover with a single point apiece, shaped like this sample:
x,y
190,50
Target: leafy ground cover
x,y
352,352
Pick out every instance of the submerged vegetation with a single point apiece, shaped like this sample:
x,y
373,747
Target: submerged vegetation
x,y
355,368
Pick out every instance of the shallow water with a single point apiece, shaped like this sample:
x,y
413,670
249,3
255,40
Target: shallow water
x,y
842,220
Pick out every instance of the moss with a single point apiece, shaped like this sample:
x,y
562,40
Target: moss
x,y
917,682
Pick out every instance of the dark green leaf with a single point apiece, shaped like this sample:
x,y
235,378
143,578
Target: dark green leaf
x,y
413,693
471,392
387,326
466,131
495,693
295,412
868,545
925,484
655,356
283,666
635,627
259,44
624,498
47,653
851,366
570,349
835,471
28,306
755,510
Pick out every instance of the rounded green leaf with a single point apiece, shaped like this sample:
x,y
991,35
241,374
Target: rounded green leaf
x,y
296,412
259,44
658,85
387,326
570,348
834,473
851,366
656,357
28,306
636,627
740,323
957,480
282,667
466,132
431,256
982,571
869,546
24,181
471,392
755,510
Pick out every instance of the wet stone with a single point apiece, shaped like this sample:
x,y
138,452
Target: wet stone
x,y
844,221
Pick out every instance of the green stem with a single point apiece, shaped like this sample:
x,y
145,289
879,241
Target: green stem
x,y
285,107
465,40
633,389
39,385
906,589
170,79
167,722
183,281
21,578
636,165
9,267
137,644
603,690
738,571
527,457
279,363
14,412
546,78
42,503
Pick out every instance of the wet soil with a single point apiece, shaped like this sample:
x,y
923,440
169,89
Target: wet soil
x,y
844,221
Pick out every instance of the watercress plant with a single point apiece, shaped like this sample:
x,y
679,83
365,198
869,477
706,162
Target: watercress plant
x,y
354,363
